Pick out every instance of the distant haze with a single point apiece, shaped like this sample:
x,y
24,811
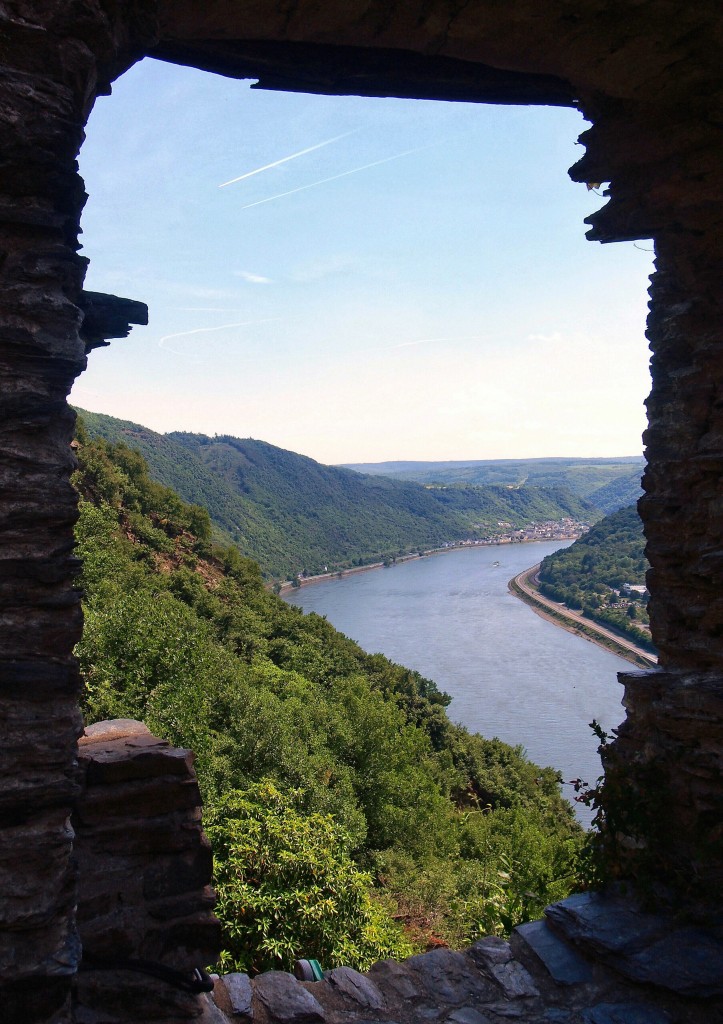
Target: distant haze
x,y
358,279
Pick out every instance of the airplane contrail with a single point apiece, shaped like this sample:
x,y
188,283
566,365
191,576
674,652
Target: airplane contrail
x,y
285,159
207,330
426,341
335,177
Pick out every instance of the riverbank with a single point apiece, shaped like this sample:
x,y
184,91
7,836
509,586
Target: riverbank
x,y
305,581
523,586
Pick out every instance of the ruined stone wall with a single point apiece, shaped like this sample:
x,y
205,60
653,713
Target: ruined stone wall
x,y
50,55
647,72
144,876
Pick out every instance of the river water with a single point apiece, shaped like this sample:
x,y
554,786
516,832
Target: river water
x,y
509,672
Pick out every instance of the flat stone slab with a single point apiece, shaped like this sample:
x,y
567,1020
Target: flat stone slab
x,y
625,1013
114,729
563,964
286,999
605,924
643,947
356,986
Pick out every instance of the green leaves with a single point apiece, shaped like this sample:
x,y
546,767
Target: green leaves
x,y
315,760
287,887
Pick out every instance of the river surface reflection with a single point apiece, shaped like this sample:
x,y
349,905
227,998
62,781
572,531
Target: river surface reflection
x,y
509,672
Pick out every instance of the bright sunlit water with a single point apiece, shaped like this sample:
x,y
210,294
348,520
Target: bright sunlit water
x,y
510,673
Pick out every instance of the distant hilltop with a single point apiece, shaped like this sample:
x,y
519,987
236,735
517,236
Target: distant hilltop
x,y
609,483
295,516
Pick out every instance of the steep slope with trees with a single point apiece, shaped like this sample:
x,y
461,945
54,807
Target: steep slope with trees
x,y
292,514
341,801
598,573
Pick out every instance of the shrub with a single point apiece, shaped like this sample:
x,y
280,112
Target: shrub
x,y
287,887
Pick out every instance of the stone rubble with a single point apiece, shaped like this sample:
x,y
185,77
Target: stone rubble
x,y
594,968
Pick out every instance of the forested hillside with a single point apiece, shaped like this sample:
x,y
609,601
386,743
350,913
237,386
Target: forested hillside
x,y
609,484
292,515
596,572
350,819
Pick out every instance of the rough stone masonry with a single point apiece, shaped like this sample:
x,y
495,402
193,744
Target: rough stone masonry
x,y
647,73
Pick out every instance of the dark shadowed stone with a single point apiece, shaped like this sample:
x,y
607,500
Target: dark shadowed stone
x,y
556,1016
688,961
108,316
491,950
563,964
238,990
494,957
356,986
210,1013
287,1000
625,1013
450,977
605,924
467,1015
395,980
427,1012
504,1009
515,980
642,946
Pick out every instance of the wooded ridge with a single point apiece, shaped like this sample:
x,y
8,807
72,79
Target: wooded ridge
x,y
293,515
609,484
603,575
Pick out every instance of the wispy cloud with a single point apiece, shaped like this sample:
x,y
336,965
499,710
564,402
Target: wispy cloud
x,y
320,269
245,275
335,177
285,159
555,336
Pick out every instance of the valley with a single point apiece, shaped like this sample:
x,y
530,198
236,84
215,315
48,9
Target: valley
x,y
294,516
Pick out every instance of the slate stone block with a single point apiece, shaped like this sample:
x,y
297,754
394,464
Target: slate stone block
x,y
395,980
491,950
688,961
450,977
564,965
494,957
643,947
286,999
625,1013
356,986
605,923
239,993
468,1015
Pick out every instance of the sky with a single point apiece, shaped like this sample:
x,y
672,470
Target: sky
x,y
358,279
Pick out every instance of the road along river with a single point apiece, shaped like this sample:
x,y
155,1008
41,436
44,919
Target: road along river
x,y
510,672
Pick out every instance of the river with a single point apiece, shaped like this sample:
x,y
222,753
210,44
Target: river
x,y
509,672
